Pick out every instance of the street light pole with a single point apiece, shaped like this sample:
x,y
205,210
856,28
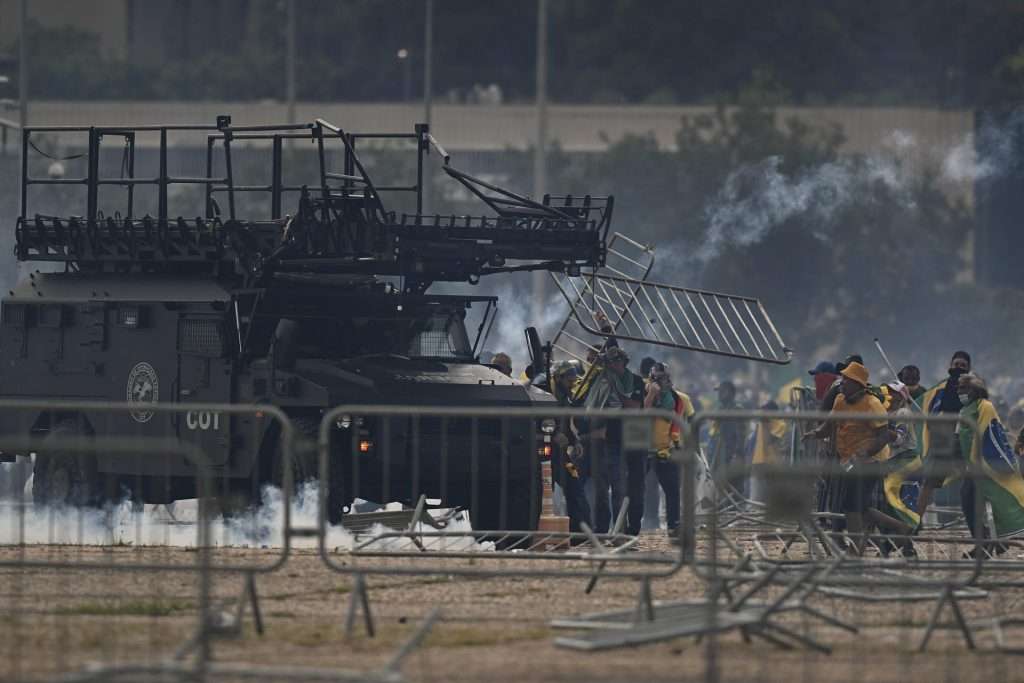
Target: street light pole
x,y
289,61
540,152
23,65
403,58
428,63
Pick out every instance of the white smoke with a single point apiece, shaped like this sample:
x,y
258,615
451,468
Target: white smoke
x,y
175,525
759,197
516,313
989,154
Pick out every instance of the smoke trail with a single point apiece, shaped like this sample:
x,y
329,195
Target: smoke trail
x,y
759,197
989,154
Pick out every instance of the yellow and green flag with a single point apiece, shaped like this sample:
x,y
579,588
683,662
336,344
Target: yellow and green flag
x,y
1002,486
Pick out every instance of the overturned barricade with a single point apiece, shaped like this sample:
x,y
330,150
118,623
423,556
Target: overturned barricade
x,y
764,561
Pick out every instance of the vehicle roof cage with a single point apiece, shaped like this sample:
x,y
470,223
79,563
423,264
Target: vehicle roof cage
x,y
342,224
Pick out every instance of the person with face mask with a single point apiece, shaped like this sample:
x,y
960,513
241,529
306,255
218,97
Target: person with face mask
x,y
938,445
857,442
997,476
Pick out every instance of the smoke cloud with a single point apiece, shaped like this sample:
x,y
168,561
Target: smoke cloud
x,y
175,525
759,197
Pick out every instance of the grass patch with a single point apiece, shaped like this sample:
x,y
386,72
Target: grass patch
x,y
133,608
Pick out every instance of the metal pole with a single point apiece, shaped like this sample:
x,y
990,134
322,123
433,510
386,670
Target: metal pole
x,y
289,62
23,64
428,63
540,152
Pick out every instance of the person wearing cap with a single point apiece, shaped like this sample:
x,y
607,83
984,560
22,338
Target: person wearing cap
x,y
568,466
829,399
938,443
613,387
825,375
857,442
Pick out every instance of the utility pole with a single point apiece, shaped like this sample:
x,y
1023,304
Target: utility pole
x,y
23,65
289,61
428,95
540,151
428,63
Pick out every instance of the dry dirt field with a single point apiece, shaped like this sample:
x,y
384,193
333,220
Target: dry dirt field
x,y
497,629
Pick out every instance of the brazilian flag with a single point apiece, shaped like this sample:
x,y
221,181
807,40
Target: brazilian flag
x,y
929,403
901,469
1002,486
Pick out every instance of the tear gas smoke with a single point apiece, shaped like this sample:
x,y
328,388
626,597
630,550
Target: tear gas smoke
x,y
759,197
175,525
515,314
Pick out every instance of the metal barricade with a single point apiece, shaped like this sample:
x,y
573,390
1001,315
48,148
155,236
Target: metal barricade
x,y
481,469
778,572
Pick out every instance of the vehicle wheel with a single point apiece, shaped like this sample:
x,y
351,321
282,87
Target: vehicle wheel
x,y
64,477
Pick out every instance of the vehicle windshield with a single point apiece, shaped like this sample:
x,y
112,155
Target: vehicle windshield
x,y
438,335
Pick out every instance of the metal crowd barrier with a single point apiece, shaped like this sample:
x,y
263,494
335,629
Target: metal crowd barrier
x,y
445,454
772,569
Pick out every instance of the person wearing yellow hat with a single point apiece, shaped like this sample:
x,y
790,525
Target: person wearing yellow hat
x,y
857,441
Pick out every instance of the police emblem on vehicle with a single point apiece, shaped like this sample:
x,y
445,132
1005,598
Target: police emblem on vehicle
x,y
143,388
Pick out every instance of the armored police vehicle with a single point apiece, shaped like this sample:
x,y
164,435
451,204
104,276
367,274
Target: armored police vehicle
x,y
324,306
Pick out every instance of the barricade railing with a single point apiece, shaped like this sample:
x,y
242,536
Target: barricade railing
x,y
251,501
67,598
480,469
792,576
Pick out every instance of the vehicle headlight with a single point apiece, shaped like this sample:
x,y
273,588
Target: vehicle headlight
x,y
547,426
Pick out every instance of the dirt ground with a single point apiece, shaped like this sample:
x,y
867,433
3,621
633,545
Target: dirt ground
x,y
54,621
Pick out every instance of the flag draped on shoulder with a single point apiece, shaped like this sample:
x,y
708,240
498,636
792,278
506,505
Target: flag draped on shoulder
x,y
1001,486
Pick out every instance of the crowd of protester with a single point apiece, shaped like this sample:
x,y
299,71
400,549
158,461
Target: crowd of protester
x,y
886,464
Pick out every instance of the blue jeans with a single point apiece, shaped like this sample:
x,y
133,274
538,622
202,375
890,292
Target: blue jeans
x,y
576,506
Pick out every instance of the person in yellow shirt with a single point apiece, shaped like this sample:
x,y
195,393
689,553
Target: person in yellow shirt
x,y
857,442
660,394
769,439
